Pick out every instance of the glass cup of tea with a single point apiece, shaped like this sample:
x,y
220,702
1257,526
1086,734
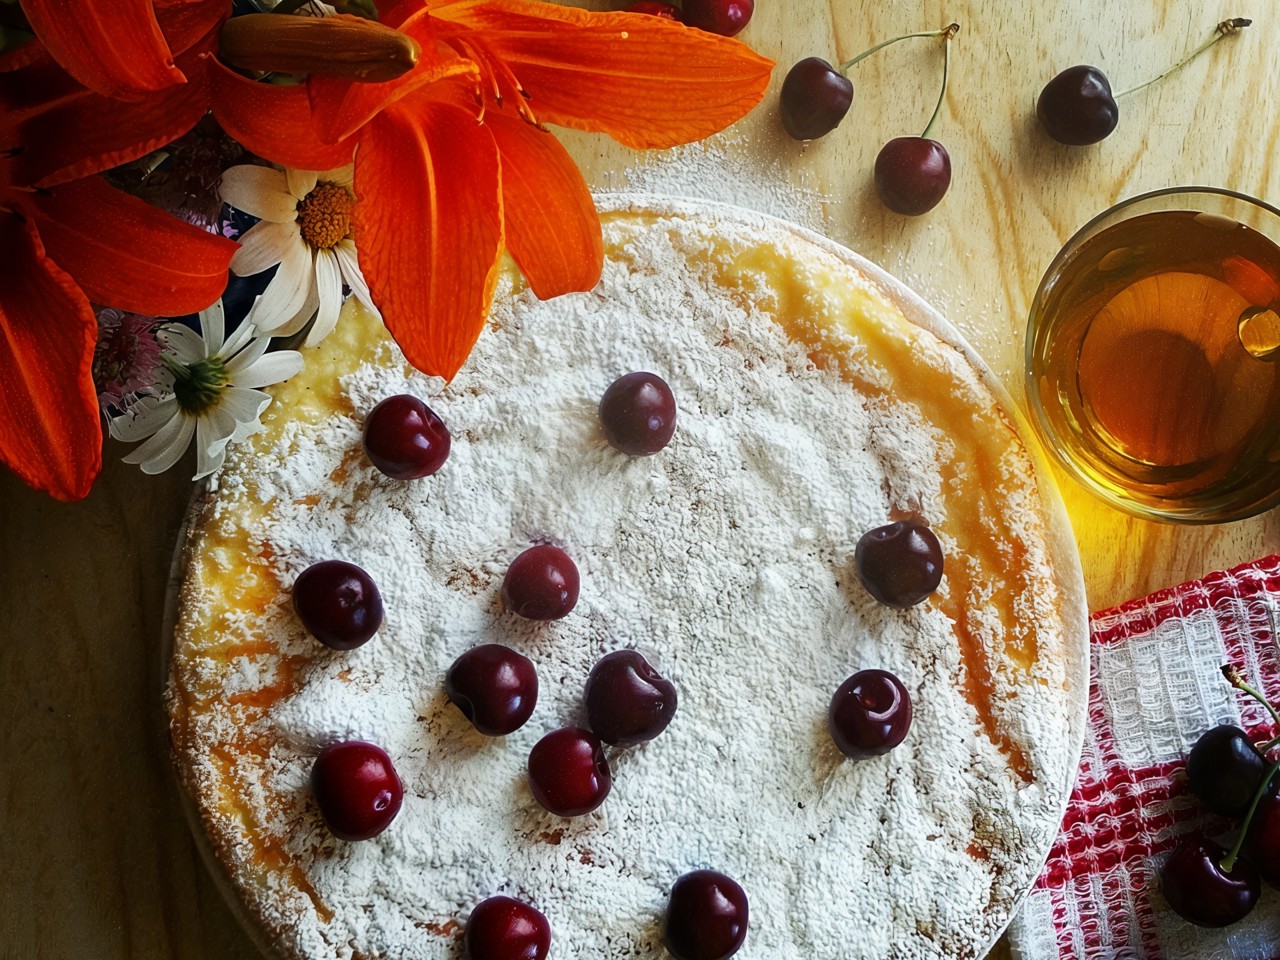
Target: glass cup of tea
x,y
1153,355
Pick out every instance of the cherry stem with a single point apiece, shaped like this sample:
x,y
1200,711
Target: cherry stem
x,y
949,30
1236,679
1225,29
1229,862
947,34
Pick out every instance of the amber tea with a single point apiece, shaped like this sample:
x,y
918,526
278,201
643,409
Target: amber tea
x,y
1152,362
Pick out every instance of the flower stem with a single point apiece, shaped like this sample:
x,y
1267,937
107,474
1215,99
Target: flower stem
x,y
951,29
1225,29
1236,679
947,34
1229,862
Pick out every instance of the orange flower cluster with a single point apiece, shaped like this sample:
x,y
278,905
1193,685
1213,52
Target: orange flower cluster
x,y
452,165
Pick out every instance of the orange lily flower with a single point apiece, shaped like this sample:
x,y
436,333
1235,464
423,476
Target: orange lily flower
x,y
452,161
68,239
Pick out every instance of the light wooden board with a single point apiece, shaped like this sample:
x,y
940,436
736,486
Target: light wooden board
x,y
96,860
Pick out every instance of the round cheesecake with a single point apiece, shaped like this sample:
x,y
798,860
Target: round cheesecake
x,y
817,399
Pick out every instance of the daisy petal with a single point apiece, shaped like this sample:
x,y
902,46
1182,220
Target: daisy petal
x,y
343,176
273,368
329,287
301,182
238,360
166,447
184,343
244,404
239,337
264,245
349,264
261,192
212,324
287,293
147,416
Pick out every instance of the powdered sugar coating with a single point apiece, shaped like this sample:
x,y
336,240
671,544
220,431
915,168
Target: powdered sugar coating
x,y
727,559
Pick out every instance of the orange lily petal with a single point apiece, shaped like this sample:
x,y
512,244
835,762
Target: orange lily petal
x,y
428,223
114,48
188,23
50,428
645,81
274,122
32,51
552,228
125,253
395,12
343,106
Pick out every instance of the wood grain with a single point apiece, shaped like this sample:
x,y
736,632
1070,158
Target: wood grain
x,y
96,859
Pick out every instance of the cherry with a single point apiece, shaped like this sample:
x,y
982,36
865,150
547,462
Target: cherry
x,y
655,8
568,772
1225,770
725,17
900,563
706,917
638,413
1077,107
338,603
357,788
494,687
628,702
1263,840
870,714
503,928
1201,890
912,175
815,98
405,439
541,584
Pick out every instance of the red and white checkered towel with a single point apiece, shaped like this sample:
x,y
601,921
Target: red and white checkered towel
x,y
1155,687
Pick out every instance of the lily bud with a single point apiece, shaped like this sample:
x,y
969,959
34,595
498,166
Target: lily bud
x,y
341,46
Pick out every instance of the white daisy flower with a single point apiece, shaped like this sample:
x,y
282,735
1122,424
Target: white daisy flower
x,y
305,228
213,396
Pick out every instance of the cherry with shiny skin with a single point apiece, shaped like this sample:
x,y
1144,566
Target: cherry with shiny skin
x,y
1077,107
357,788
815,98
870,714
638,413
568,772
495,687
503,928
1225,769
541,584
899,563
707,916
628,702
655,8
405,439
912,175
338,603
725,17
1262,843
1201,891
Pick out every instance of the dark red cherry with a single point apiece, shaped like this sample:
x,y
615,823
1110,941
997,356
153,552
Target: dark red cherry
x,y
503,928
357,788
870,714
405,439
655,8
628,702
494,687
1077,107
900,563
568,772
1263,841
725,17
706,917
1225,769
338,603
541,583
1200,891
912,175
815,98
638,413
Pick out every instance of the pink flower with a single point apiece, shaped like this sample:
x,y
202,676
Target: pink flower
x,y
126,361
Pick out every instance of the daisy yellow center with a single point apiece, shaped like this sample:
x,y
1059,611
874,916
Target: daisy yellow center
x,y
324,215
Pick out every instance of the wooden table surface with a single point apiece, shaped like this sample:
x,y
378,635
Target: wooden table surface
x,y
95,857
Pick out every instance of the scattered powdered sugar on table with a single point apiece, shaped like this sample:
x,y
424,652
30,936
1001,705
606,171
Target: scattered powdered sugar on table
x,y
726,558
